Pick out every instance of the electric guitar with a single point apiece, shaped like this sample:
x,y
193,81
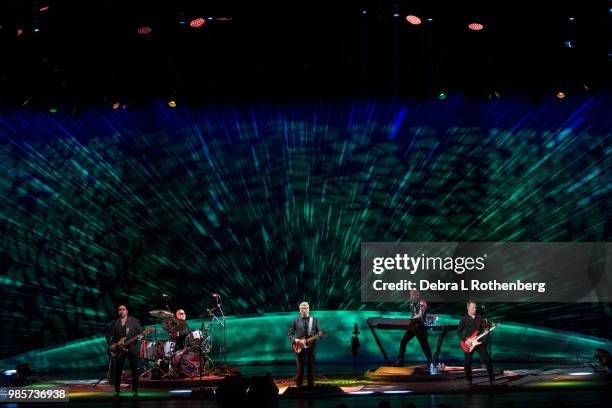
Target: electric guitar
x,y
120,347
471,342
298,346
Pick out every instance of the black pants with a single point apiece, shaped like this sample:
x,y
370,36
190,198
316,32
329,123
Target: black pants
x,y
305,361
119,362
484,357
418,330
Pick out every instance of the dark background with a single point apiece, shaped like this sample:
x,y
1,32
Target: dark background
x,y
89,51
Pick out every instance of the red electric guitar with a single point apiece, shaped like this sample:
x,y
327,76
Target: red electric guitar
x,y
471,342
298,346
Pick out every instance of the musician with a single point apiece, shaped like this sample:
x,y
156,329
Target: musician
x,y
182,332
128,327
469,324
418,308
301,328
178,334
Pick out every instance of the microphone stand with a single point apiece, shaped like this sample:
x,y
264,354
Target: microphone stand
x,y
200,350
223,324
209,313
489,342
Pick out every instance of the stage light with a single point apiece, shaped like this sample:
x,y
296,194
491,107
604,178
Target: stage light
x,y
571,19
442,95
475,26
397,392
180,391
430,20
36,29
144,30
414,20
568,44
580,373
19,32
560,95
10,372
197,22
43,9
361,392
53,109
396,15
116,105
172,103
364,12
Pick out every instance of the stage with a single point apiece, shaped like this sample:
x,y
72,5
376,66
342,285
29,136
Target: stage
x,y
338,384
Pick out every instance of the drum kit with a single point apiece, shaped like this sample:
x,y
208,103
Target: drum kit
x,y
182,352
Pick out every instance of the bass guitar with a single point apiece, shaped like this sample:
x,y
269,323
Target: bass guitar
x,y
471,342
120,347
298,346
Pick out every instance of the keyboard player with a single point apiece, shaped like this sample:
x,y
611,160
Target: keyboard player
x,y
418,308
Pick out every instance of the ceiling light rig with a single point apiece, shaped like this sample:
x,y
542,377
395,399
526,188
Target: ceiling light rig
x,y
144,30
414,20
197,22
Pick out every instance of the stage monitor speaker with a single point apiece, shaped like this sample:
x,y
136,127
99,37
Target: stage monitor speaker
x,y
232,391
262,389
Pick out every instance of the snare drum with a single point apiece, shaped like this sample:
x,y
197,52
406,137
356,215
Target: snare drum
x,y
193,339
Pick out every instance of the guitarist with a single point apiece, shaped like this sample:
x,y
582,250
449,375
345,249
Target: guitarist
x,y
128,327
470,323
303,327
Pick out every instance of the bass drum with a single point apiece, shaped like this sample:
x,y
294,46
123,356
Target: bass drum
x,y
189,364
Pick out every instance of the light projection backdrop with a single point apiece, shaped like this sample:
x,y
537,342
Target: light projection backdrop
x,y
268,205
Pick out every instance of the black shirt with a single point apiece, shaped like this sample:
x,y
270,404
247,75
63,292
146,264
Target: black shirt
x,y
123,332
468,325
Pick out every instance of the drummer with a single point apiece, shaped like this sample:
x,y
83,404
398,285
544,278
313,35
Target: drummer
x,y
181,329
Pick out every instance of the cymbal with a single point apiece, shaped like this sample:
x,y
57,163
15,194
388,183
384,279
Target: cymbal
x,y
174,325
161,314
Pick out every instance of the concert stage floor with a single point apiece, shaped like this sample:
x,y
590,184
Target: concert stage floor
x,y
579,386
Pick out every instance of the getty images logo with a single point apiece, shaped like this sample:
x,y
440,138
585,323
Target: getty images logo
x,y
411,264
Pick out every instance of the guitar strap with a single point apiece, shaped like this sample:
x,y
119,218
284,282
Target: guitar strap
x,y
309,327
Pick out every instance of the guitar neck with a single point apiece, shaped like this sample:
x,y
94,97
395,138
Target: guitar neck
x,y
485,333
316,336
130,341
133,339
